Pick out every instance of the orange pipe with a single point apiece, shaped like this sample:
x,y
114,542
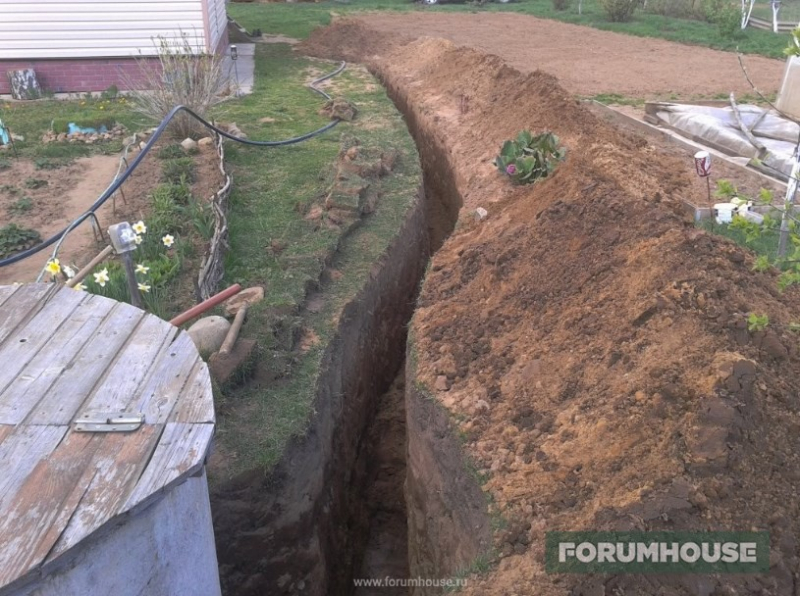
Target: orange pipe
x,y
206,305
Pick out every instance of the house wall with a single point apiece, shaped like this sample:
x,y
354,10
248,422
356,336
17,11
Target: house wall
x,y
90,45
34,29
167,549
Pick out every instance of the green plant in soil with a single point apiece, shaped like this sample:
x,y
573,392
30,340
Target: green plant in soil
x,y
171,151
528,158
21,205
14,239
35,183
4,163
757,322
178,170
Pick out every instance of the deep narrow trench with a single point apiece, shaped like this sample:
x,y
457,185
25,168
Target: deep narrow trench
x,y
334,510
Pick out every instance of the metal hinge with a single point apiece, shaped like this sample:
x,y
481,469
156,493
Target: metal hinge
x,y
109,422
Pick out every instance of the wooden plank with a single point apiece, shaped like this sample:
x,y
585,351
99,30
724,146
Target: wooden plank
x,y
197,398
24,392
180,453
166,380
5,430
76,376
22,345
6,292
38,513
119,462
118,388
17,310
21,451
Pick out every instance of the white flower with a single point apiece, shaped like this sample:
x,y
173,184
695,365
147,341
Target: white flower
x,y
141,268
69,271
144,288
79,286
168,240
137,239
139,227
101,278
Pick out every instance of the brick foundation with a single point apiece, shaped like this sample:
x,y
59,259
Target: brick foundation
x,y
79,75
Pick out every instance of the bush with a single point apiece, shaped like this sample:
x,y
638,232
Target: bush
x,y
619,11
529,158
14,239
561,4
187,76
176,171
682,9
726,16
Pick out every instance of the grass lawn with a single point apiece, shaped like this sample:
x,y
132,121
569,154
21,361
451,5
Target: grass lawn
x,y
274,246
299,19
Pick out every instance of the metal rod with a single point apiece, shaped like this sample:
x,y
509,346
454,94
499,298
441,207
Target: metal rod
x,y
233,332
130,275
81,275
206,305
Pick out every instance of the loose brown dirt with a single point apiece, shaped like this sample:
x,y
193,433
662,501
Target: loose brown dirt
x,y
590,341
589,61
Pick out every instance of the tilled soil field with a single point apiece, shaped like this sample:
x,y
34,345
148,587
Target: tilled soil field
x,y
589,61
590,341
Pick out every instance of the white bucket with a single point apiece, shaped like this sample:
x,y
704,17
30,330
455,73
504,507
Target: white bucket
x,y
724,212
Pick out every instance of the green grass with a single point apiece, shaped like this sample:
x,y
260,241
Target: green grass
x,y
272,188
299,19
766,244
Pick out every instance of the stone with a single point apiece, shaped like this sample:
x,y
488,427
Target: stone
x,y
236,365
142,145
441,384
248,296
208,334
481,213
205,142
62,136
189,144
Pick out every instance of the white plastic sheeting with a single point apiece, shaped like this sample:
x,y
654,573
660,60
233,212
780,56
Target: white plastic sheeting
x,y
718,126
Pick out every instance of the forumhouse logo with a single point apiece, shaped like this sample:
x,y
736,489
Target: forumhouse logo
x,y
657,552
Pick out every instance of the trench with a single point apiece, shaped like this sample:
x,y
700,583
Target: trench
x,y
334,509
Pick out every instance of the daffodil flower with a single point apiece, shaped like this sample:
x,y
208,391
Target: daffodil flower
x,y
139,227
144,288
101,278
53,266
137,239
168,240
79,286
141,268
69,271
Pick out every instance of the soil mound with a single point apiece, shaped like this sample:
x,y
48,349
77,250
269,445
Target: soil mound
x,y
590,341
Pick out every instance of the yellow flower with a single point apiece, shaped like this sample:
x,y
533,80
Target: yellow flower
x,y
83,103
79,286
102,107
168,240
141,268
144,288
53,266
101,278
139,227
137,239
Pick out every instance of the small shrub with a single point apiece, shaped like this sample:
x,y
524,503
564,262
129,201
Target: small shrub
x,y
682,9
561,4
111,93
9,189
529,158
726,16
173,151
187,76
4,164
177,171
45,163
35,183
619,11
14,239
757,322
21,205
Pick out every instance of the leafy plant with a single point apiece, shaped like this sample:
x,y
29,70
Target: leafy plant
x,y
561,4
178,171
44,163
619,11
726,189
110,93
171,151
756,322
762,264
5,164
14,239
529,158
727,16
35,183
793,49
21,205
10,189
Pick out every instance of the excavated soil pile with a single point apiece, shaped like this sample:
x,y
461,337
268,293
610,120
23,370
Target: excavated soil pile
x,y
590,342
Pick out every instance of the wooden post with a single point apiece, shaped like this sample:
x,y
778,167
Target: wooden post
x,y
130,274
80,275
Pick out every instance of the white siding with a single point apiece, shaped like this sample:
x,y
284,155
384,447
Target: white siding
x,y
32,29
217,21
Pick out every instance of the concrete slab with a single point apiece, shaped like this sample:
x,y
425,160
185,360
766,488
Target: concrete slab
x,y
240,73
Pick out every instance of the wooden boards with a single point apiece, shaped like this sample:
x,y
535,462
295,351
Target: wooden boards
x,y
65,354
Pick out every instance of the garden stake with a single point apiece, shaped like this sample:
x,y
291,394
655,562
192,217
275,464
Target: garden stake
x,y
130,274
